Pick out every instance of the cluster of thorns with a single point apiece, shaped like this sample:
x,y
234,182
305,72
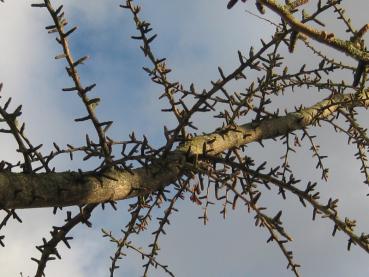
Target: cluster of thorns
x,y
214,167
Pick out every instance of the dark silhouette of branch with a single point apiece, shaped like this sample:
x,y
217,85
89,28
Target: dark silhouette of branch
x,y
190,165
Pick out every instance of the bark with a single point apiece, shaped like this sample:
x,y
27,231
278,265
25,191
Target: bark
x,y
328,38
21,190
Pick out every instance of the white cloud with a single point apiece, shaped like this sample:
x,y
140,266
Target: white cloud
x,y
196,36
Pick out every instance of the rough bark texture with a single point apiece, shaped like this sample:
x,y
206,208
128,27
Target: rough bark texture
x,y
327,38
20,190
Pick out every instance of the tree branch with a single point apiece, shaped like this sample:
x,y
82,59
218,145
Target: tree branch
x,y
346,46
20,190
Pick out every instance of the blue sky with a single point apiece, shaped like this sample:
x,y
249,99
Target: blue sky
x,y
196,37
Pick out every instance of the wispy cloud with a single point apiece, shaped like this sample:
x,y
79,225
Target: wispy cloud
x,y
196,37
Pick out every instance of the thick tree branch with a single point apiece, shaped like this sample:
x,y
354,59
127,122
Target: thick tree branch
x,y
221,140
327,38
20,190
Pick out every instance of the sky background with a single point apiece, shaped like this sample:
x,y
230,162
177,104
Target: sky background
x,y
196,37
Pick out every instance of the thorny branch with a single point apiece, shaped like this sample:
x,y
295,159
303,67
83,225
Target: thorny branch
x,y
59,23
190,165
